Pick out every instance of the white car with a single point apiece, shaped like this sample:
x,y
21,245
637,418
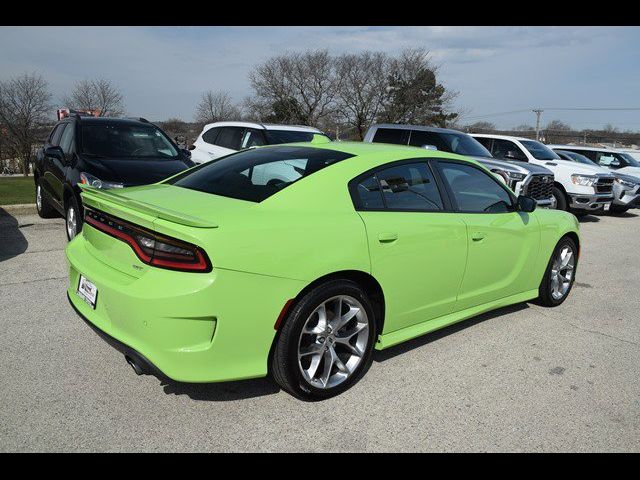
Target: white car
x,y
609,158
626,188
577,187
223,138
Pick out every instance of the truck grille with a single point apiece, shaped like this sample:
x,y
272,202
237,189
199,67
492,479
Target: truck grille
x,y
539,187
604,185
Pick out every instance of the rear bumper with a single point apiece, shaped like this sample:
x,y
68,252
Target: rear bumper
x,y
589,202
184,326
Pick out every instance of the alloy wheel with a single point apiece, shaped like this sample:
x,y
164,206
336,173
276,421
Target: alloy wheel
x,y
39,197
333,341
562,272
71,222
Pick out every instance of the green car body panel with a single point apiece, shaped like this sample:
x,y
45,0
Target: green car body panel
x,y
218,326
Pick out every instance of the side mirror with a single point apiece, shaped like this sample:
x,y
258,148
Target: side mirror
x,y
186,152
526,204
429,147
192,147
54,152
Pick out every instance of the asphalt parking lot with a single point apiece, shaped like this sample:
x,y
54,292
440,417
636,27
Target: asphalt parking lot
x,y
524,378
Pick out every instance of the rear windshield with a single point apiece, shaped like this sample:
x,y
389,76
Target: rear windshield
x,y
539,150
123,140
256,174
275,137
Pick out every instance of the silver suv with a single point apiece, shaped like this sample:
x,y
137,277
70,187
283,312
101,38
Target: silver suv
x,y
523,178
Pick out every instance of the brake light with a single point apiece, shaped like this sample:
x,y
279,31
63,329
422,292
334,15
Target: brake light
x,y
150,247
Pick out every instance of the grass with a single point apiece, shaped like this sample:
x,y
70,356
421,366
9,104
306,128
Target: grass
x,y
17,190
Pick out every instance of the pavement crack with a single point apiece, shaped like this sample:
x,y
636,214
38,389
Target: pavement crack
x,y
32,281
604,334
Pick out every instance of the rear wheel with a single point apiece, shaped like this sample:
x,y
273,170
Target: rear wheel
x,y
73,217
560,274
326,341
559,200
44,208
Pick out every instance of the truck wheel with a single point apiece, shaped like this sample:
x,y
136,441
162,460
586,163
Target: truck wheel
x,y
560,274
559,199
44,208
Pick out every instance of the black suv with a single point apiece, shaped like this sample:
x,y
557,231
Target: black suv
x,y
104,153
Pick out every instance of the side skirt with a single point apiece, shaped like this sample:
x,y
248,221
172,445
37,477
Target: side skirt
x,y
393,338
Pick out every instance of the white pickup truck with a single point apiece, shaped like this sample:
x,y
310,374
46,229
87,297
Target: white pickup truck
x,y
579,188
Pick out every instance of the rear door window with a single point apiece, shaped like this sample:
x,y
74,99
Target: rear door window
x,y
396,136
230,137
506,149
210,135
409,187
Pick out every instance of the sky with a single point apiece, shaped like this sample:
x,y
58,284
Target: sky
x,y
162,71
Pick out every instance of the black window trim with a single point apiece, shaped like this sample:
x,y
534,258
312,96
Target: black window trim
x,y
452,197
355,197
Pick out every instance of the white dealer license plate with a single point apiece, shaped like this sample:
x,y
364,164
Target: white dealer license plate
x,y
607,206
87,291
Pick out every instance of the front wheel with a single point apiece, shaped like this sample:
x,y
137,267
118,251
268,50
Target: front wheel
x,y
73,217
560,274
558,200
326,341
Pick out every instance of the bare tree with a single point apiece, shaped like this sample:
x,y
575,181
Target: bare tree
x,y
362,90
99,95
216,107
524,127
481,127
414,94
24,106
557,131
300,85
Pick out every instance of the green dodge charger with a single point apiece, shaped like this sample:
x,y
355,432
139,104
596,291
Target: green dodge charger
x,y
298,260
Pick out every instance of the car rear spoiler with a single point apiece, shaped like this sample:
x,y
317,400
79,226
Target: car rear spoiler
x,y
94,196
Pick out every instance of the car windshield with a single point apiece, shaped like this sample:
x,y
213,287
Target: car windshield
x,y
126,140
576,157
459,143
539,150
630,160
275,137
256,174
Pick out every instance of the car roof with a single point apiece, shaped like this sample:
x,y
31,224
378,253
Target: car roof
x,y
400,126
104,120
584,147
502,137
263,126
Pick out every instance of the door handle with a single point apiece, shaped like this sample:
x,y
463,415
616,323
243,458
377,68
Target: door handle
x,y
387,237
478,236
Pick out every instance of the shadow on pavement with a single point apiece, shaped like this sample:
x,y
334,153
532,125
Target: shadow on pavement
x,y
225,391
12,241
384,355
623,215
588,219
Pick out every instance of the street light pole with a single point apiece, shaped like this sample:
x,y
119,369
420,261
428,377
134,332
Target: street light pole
x,y
538,113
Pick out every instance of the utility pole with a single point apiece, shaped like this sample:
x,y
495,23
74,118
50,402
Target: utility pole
x,y
538,113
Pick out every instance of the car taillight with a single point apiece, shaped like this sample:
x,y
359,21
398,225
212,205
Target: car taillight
x,y
150,247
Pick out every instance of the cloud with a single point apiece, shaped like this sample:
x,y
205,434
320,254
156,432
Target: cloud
x,y
162,71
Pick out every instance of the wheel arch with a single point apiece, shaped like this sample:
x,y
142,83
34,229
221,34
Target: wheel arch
x,y
365,280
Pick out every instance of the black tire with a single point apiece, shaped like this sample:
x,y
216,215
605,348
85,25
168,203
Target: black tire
x,y
72,203
44,208
545,297
560,198
284,364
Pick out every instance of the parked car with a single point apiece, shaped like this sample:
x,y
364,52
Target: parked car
x,y
104,153
608,158
213,275
222,138
579,188
633,152
626,188
523,178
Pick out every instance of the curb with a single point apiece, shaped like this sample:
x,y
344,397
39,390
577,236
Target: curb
x,y
20,209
